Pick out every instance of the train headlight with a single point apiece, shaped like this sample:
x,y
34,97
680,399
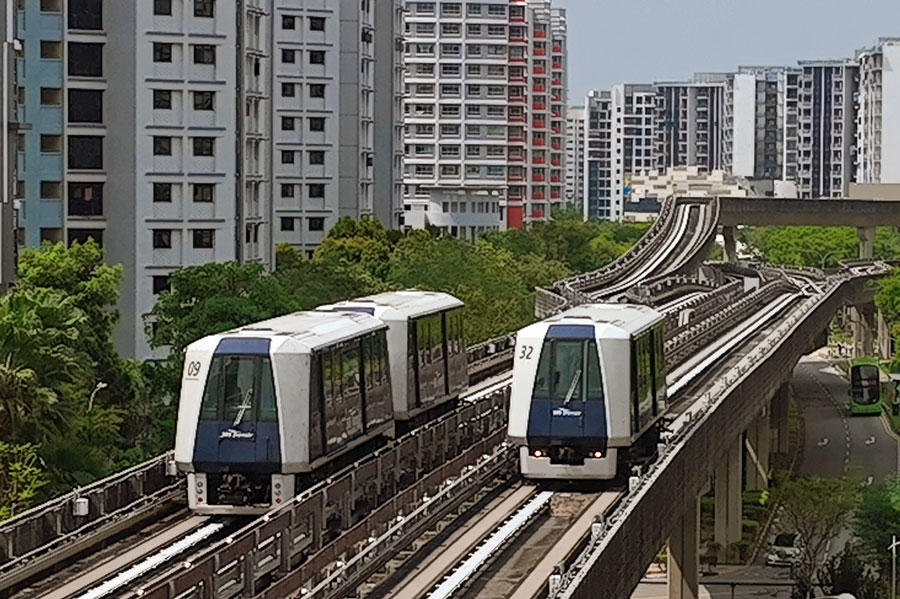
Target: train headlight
x,y
595,454
538,453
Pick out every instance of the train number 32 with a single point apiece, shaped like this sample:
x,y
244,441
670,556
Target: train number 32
x,y
193,369
527,350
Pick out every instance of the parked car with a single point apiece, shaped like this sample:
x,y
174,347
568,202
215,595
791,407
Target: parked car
x,y
785,550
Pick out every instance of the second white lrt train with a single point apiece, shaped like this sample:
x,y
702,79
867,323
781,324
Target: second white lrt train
x,y
587,385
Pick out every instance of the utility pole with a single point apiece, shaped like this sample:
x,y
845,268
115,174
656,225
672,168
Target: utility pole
x,y
893,549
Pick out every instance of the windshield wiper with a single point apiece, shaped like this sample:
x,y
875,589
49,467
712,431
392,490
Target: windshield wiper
x,y
242,409
572,385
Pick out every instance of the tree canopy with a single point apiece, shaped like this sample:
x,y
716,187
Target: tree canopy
x,y
820,247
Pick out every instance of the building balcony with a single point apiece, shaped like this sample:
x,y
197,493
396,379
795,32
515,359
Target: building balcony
x,y
517,38
556,97
554,162
517,79
517,158
537,195
555,129
539,52
516,139
539,70
519,99
517,18
536,213
538,160
516,59
516,178
538,34
517,118
554,195
539,88
539,124
538,178
557,65
554,178
557,49
539,142
556,82
539,106
555,145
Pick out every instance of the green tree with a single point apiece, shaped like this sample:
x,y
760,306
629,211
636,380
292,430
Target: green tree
x,y
876,520
802,246
817,509
848,572
325,279
208,299
21,477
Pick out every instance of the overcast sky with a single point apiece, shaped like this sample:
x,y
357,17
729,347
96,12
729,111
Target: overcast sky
x,y
642,41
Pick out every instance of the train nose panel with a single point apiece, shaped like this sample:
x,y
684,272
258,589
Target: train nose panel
x,y
251,446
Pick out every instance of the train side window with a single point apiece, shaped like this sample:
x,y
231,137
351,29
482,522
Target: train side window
x,y
209,409
542,378
350,370
368,359
594,378
315,402
328,379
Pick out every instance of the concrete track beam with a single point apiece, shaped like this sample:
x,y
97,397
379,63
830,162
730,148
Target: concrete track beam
x,y
684,553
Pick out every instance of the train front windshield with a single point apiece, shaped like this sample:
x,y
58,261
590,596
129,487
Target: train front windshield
x,y
864,384
239,389
569,370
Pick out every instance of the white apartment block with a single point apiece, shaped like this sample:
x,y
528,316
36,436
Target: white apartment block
x,y
825,135
484,96
599,161
192,131
878,113
689,124
575,156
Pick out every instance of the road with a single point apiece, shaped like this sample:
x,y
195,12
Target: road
x,y
835,444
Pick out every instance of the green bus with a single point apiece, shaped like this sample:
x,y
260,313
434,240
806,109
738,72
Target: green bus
x,y
870,386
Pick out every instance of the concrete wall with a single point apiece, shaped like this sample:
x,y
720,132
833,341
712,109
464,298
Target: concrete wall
x,y
890,114
7,148
743,162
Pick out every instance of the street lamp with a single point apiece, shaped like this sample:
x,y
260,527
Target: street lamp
x,y
100,385
893,548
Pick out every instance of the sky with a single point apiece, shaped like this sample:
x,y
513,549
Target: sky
x,y
642,41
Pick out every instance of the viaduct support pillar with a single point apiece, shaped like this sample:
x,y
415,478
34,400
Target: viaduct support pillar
x,y
728,515
883,335
730,244
756,443
863,319
866,237
684,553
778,411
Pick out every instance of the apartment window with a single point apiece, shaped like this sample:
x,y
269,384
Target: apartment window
x,y
162,239
51,50
317,23
46,5
450,110
162,7
316,90
450,30
288,56
85,152
204,54
85,199
315,190
81,236
86,14
162,192
288,90
162,146
287,190
316,123
85,60
287,157
162,99
316,157
450,70
204,100
50,190
204,239
287,223
204,8
160,284
204,146
85,106
450,130
162,52
316,57
316,223
287,123
288,22
50,96
204,193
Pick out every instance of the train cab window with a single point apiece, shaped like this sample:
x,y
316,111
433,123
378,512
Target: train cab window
x,y
239,389
350,370
569,370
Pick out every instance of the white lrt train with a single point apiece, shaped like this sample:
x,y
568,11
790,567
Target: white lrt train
x,y
587,385
266,407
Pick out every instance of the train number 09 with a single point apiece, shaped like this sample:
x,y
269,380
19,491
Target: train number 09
x,y
193,369
527,350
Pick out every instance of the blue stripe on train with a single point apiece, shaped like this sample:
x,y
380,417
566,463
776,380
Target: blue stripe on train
x,y
550,420
219,445
570,331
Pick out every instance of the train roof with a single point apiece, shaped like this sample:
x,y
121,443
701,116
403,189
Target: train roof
x,y
631,318
312,329
405,304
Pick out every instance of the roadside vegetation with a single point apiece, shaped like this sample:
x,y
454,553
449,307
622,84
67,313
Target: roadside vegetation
x,y
72,410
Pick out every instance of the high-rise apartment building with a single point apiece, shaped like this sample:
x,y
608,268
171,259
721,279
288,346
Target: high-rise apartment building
x,y
8,48
599,161
484,113
826,123
195,131
575,158
689,124
878,113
